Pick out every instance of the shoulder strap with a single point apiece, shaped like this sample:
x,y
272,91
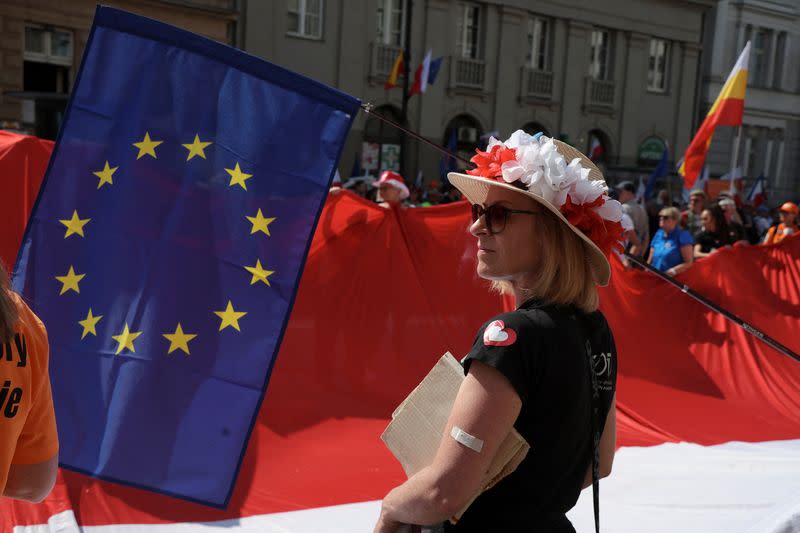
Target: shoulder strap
x,y
595,433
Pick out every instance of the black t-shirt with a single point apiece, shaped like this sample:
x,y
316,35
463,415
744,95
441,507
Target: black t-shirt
x,y
542,350
711,240
736,232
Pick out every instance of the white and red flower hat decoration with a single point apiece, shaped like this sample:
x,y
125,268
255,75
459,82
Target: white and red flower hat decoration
x,y
560,178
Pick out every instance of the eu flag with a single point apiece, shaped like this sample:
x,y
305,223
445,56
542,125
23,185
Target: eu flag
x,y
166,246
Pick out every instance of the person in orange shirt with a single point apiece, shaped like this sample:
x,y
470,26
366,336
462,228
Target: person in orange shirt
x,y
788,226
28,437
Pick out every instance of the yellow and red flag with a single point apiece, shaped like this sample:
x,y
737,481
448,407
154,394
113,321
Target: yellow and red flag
x,y
726,111
397,68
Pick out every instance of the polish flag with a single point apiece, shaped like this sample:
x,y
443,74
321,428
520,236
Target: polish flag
x,y
757,194
421,76
596,149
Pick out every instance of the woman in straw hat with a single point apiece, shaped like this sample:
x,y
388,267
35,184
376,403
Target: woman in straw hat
x,y
545,228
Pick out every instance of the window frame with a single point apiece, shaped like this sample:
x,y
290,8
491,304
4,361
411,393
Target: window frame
x,y
47,56
384,27
302,14
606,64
534,52
461,41
653,68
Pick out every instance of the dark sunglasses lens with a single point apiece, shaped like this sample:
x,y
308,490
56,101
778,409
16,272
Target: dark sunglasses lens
x,y
496,215
477,211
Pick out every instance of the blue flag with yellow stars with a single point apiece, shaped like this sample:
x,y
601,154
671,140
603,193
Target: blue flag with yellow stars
x,y
165,249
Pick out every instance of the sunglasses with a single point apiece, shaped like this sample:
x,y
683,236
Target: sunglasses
x,y
495,216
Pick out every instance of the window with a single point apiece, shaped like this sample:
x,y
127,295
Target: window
x,y
538,44
48,45
657,67
392,22
305,18
759,58
469,31
780,58
599,54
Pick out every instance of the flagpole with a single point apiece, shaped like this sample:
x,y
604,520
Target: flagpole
x,y
406,76
760,335
735,159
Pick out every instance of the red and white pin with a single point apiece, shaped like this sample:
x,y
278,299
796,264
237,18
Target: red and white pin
x,y
497,334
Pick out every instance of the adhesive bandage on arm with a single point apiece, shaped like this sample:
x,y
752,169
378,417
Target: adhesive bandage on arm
x,y
470,441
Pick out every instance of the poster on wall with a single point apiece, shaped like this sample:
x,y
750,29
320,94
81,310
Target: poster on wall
x,y
390,157
370,153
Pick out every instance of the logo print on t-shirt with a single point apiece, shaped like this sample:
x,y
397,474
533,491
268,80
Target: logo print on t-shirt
x,y
497,334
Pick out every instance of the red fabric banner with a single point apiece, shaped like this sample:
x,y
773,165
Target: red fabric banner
x,y
23,160
386,292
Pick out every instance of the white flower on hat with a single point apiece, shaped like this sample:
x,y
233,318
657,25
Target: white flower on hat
x,y
586,191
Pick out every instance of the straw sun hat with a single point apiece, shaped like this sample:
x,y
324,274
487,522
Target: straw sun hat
x,y
558,177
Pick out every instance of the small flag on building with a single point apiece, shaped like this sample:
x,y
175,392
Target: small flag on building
x,y
190,177
433,71
421,76
397,70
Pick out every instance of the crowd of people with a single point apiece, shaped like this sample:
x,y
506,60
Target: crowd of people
x,y
671,236
667,234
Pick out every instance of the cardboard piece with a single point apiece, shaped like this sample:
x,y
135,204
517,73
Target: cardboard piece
x,y
418,423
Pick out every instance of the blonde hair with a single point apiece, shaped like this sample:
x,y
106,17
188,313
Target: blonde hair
x,y
564,276
671,212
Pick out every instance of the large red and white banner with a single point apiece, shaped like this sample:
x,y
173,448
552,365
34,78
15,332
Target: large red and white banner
x,y
386,292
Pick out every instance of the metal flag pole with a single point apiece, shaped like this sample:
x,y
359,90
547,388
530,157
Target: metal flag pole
x,y
714,307
369,108
735,159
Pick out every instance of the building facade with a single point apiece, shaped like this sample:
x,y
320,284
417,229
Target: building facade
x,y
620,78
770,141
43,41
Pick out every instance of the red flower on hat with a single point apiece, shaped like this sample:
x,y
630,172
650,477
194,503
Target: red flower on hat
x,y
489,163
604,233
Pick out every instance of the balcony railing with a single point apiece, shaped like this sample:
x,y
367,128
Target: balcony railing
x,y
536,84
383,57
599,92
467,73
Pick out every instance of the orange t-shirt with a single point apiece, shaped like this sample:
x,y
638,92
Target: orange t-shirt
x,y
776,234
27,419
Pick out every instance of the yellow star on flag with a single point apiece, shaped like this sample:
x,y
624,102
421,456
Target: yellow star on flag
x,y
147,146
179,340
89,324
259,273
238,177
105,175
196,148
125,339
260,223
230,317
70,281
74,225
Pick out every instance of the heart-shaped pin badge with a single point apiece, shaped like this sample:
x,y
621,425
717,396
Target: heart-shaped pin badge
x,y
497,334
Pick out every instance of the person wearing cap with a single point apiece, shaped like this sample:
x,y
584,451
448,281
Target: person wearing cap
x,y
690,218
360,185
732,218
788,224
392,189
545,228
672,248
627,197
